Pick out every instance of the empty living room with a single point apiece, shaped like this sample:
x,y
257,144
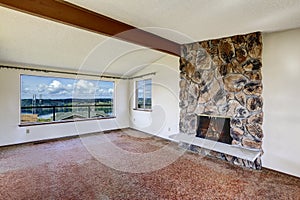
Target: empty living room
x,y
149,99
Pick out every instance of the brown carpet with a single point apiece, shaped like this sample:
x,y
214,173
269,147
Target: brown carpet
x,y
144,167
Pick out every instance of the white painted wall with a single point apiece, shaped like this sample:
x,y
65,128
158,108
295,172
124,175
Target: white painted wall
x,y
164,118
281,79
11,133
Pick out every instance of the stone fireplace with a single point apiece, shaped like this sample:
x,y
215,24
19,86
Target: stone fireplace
x,y
222,77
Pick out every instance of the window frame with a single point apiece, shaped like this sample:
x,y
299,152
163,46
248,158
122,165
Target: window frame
x,y
144,95
113,100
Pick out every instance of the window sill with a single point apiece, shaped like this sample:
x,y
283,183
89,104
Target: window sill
x,y
64,121
145,110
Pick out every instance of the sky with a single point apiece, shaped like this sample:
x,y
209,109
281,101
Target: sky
x,y
62,88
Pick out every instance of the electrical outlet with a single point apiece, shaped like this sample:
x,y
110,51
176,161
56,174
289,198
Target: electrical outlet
x,y
169,129
27,130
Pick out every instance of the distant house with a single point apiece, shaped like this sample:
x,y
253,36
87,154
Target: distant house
x,y
98,114
68,115
78,115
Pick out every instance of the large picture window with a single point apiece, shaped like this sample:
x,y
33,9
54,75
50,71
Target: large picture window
x,y
144,94
49,99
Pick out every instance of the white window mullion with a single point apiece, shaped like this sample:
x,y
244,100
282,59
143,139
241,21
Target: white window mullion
x,y
144,84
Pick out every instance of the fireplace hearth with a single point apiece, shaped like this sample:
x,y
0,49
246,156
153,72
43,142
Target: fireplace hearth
x,y
214,128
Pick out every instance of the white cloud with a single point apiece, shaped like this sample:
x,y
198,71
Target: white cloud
x,y
59,88
55,87
42,88
84,88
110,90
55,84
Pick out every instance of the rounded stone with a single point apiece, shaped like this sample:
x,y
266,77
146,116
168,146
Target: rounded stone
x,y
246,142
226,50
256,119
255,130
234,82
254,103
253,88
241,54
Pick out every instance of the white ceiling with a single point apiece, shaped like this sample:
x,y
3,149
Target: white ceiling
x,y
29,40
26,40
199,20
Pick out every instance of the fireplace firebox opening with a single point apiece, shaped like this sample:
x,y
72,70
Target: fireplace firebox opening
x,y
214,128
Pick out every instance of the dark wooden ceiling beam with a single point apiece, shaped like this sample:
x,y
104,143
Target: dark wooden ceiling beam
x,y
70,14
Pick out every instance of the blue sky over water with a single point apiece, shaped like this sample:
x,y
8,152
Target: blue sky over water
x,y
63,88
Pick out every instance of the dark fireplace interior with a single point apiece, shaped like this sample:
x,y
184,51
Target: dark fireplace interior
x,y
214,128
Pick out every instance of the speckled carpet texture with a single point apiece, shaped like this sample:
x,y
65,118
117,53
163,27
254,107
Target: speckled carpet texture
x,y
127,164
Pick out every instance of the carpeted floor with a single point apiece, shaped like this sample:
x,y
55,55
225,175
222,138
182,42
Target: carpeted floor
x,y
131,165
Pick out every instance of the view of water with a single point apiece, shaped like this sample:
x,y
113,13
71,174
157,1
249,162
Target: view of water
x,y
48,116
